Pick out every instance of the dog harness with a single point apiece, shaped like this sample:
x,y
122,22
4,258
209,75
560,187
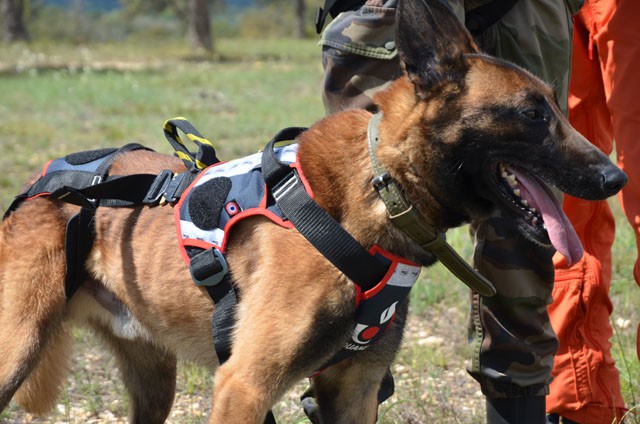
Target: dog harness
x,y
209,201
225,193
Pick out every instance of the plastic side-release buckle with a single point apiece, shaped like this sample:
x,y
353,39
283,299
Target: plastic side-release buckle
x,y
208,267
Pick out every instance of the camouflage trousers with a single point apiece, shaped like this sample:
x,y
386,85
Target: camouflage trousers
x,y
513,342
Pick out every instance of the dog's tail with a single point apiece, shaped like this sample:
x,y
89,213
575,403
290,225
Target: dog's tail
x,y
34,344
39,392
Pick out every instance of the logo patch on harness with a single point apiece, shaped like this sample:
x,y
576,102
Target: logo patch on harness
x,y
232,208
376,308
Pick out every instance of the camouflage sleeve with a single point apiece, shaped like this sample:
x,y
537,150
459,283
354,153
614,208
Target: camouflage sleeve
x,y
536,34
359,55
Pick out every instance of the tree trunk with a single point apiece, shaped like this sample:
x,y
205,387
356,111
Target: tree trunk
x,y
14,29
200,27
298,31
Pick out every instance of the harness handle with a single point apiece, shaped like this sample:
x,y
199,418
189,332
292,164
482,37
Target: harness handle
x,y
206,154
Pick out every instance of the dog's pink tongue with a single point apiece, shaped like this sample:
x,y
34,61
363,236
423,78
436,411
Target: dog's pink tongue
x,y
560,230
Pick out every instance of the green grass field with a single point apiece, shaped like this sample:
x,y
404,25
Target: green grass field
x,y
59,99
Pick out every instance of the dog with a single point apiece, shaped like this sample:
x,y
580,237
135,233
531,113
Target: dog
x,y
459,133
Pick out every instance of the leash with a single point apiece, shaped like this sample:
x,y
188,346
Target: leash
x,y
404,216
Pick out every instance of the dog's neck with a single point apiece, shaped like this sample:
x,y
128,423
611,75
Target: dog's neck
x,y
404,216
335,157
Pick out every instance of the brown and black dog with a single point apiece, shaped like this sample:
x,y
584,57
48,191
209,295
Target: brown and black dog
x,y
460,133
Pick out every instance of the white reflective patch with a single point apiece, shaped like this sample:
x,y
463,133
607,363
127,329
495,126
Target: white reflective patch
x,y
189,230
243,165
404,275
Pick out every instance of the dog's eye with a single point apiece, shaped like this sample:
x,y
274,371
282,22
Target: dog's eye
x,y
534,114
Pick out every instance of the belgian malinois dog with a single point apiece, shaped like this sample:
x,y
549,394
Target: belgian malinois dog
x,y
462,134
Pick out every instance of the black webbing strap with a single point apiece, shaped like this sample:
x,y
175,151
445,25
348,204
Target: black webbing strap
x,y
223,319
209,270
203,265
79,236
313,222
114,191
80,231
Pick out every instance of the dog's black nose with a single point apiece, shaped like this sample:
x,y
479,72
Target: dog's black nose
x,y
613,179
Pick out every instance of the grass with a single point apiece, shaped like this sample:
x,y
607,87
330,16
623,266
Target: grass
x,y
59,99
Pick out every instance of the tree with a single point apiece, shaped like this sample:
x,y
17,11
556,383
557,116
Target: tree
x,y
200,25
298,30
194,14
12,12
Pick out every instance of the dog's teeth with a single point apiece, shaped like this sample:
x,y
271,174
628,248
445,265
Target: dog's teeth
x,y
516,192
504,175
533,210
525,202
511,179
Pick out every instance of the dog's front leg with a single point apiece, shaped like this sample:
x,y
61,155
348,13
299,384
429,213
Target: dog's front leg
x,y
348,392
295,311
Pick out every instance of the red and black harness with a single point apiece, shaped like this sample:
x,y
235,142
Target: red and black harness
x,y
277,190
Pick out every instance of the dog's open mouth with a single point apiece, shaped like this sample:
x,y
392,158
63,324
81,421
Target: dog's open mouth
x,y
540,208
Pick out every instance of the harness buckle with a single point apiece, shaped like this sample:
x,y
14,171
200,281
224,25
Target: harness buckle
x,y
158,188
283,186
167,187
208,267
381,181
176,186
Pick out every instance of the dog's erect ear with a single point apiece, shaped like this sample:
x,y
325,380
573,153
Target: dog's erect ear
x,y
431,42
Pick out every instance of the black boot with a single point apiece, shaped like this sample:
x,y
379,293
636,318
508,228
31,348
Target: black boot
x,y
522,410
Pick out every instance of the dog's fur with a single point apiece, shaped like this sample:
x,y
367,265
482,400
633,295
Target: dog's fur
x,y
446,126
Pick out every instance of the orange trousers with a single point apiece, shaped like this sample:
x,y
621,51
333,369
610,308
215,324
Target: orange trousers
x,y
604,104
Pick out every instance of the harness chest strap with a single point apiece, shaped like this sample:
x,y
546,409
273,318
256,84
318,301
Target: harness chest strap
x,y
314,223
405,217
383,280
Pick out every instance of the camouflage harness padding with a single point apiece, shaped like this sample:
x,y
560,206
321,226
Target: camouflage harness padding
x,y
208,202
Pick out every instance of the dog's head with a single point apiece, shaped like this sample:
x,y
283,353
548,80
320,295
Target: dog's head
x,y
474,133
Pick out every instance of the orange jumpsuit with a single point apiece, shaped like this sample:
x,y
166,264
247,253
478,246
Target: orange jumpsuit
x,y
604,103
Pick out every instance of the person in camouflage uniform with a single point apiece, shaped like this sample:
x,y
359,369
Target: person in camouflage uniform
x,y
512,339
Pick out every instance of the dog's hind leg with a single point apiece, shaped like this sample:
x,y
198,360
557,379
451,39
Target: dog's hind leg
x,y
32,302
149,374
